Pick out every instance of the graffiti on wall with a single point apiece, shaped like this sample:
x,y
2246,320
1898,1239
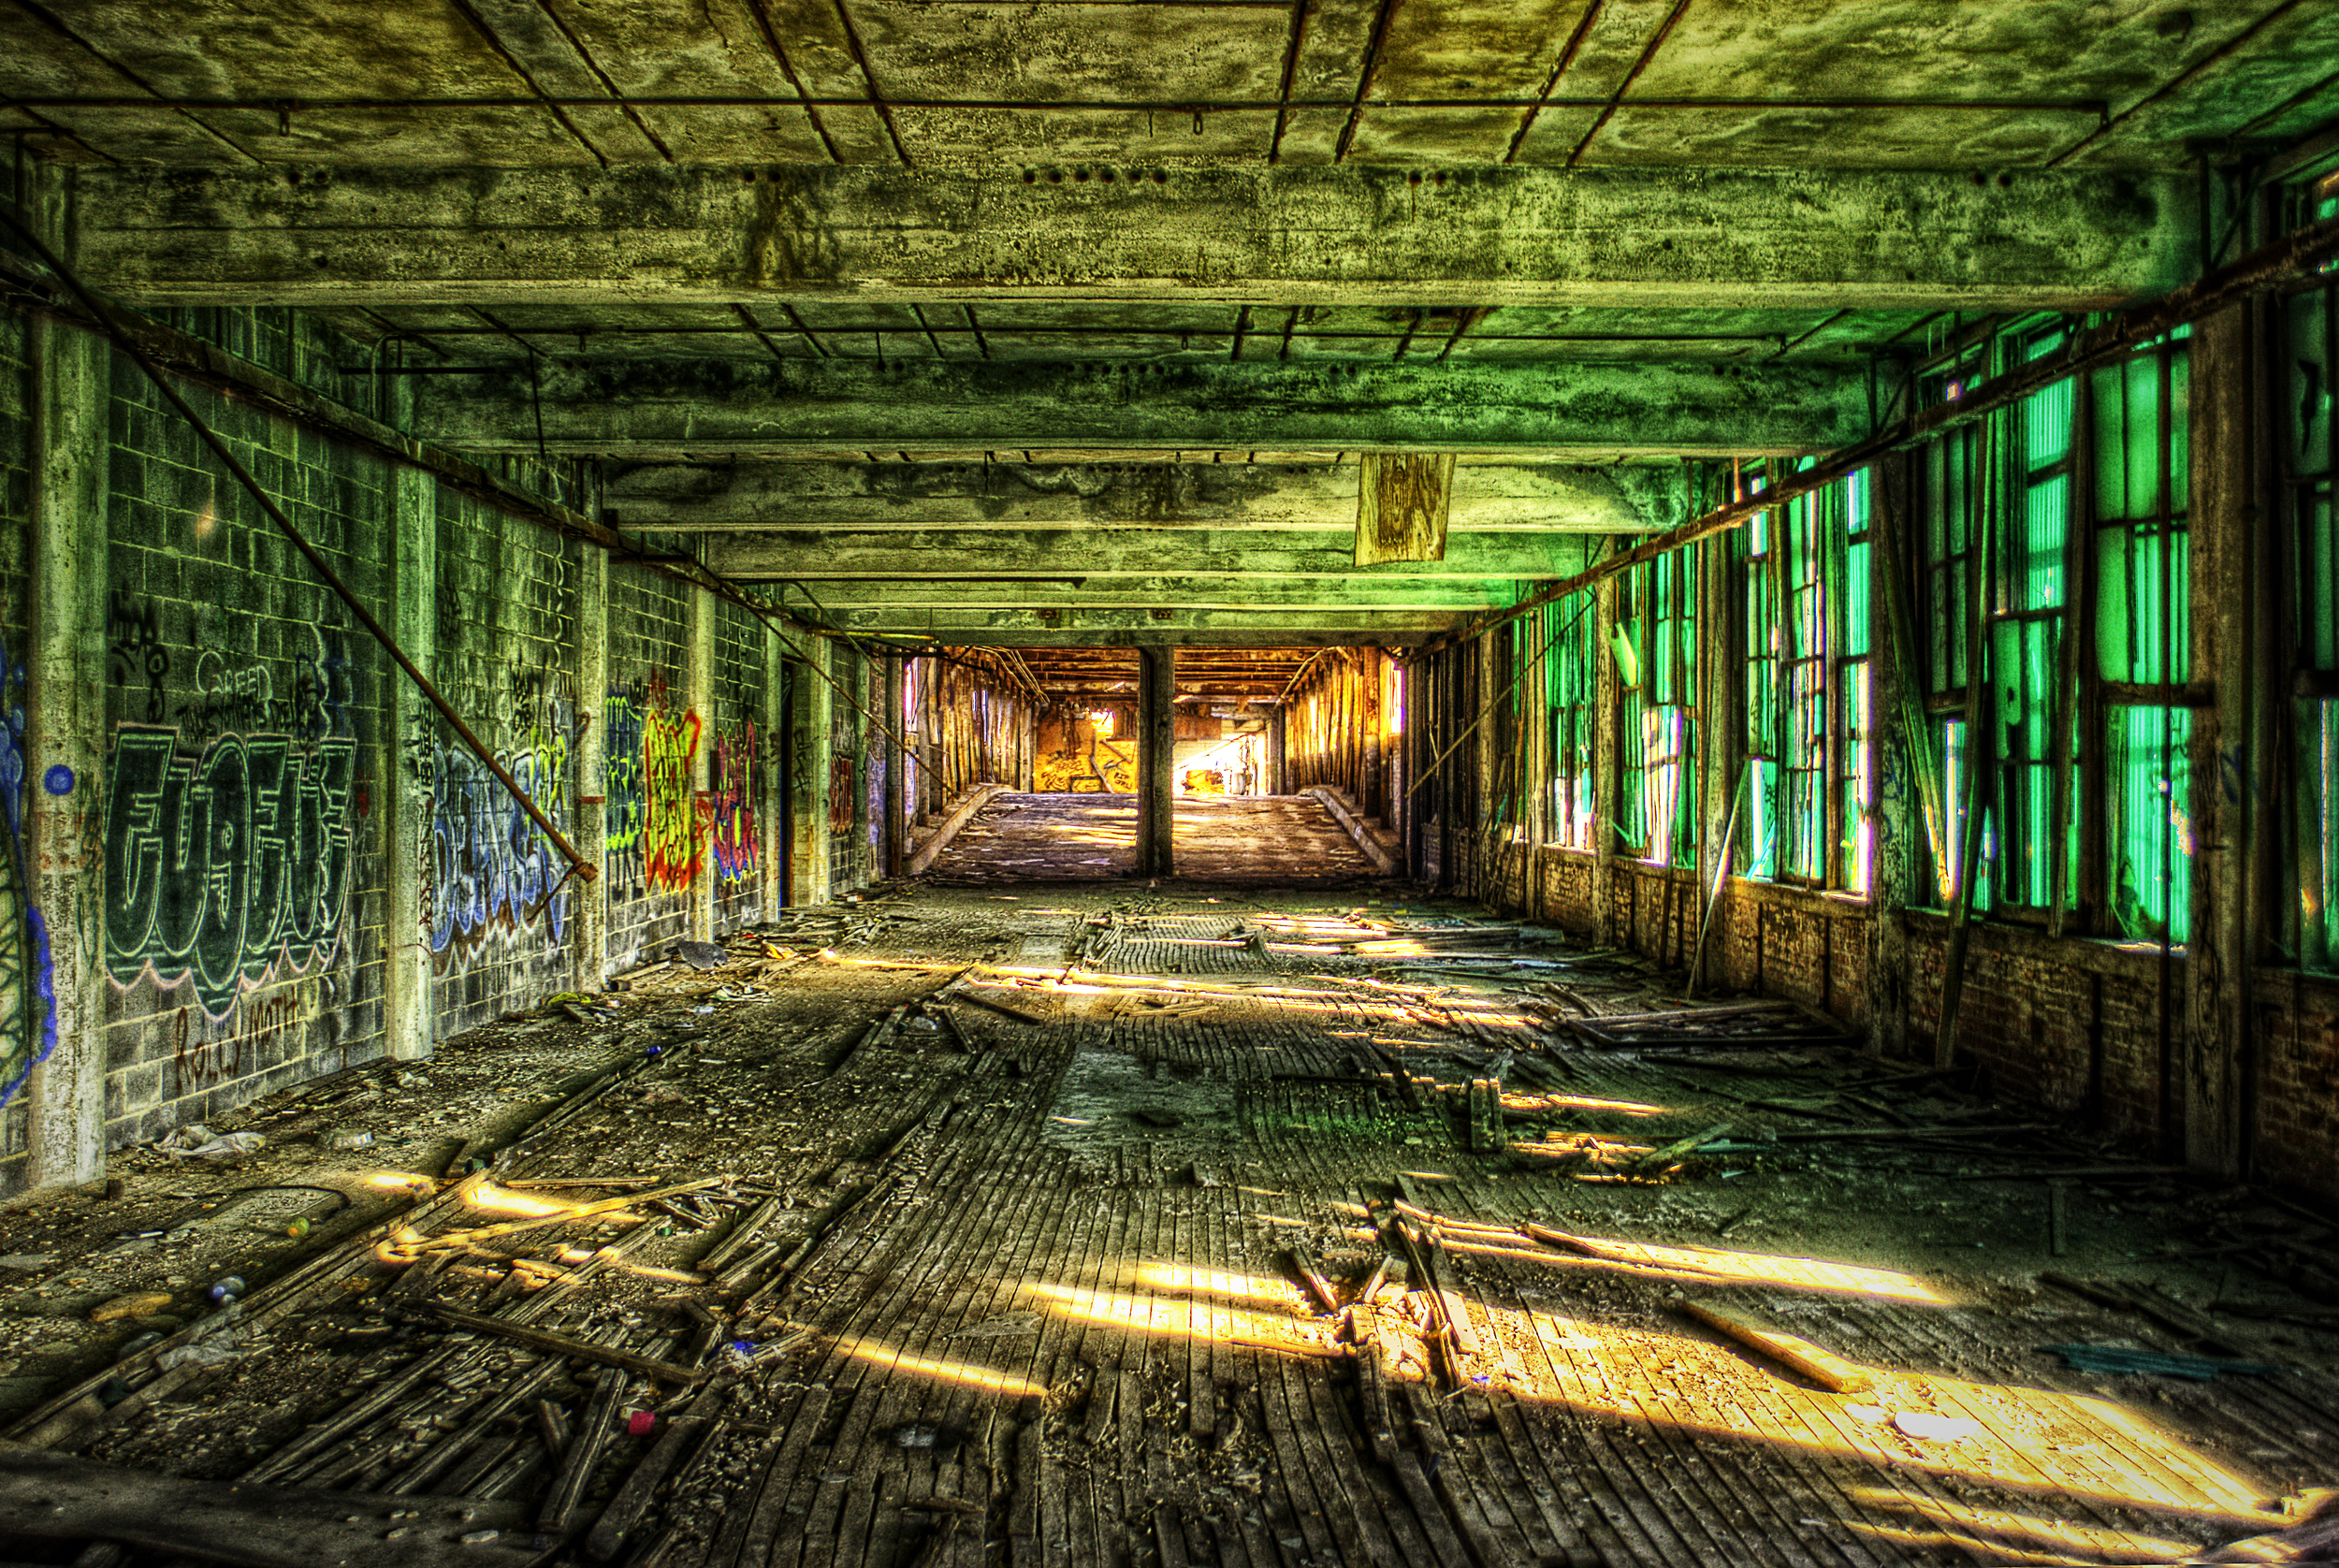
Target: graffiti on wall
x,y
621,771
135,653
840,802
492,870
207,1051
28,1013
732,829
670,827
226,867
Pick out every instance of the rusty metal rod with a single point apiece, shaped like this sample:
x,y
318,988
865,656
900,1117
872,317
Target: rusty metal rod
x,y
2265,267
578,865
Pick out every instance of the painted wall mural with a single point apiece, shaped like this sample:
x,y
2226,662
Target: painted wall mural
x,y
491,867
670,828
28,1003
227,865
621,771
733,831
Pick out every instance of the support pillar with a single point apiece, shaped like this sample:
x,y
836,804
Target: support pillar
x,y
698,684
808,759
1535,736
1156,732
1488,840
64,724
2213,1041
1899,871
1373,796
407,1014
1607,701
1721,737
770,803
589,902
896,822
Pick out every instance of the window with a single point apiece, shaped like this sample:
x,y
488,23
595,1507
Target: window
x,y
1670,680
1952,495
1805,580
1656,657
2027,596
2138,491
1569,685
1845,511
1759,663
2081,485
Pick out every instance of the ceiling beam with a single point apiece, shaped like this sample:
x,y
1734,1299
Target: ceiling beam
x,y
1100,555
636,409
974,626
1288,235
1360,592
1012,496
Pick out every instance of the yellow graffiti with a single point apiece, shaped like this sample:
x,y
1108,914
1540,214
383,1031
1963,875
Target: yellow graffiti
x,y
670,829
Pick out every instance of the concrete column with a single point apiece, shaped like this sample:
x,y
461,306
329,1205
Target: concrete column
x,y
589,902
808,756
1900,875
1486,749
770,806
1452,702
407,1014
698,685
65,725
1411,789
1608,694
896,822
1156,731
1721,737
2227,772
1536,734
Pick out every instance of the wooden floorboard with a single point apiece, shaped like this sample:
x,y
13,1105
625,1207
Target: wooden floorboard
x,y
1066,1316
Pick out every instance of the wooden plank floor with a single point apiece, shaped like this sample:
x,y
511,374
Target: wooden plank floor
x,y
1032,1296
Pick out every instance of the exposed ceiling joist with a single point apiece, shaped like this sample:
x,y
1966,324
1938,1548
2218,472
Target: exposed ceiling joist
x,y
637,410
1247,497
1100,555
375,236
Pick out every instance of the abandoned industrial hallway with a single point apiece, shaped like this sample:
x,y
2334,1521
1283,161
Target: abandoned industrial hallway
x,y
1085,836
1068,1223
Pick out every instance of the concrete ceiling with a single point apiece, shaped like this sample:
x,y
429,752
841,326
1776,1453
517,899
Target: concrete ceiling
x,y
958,314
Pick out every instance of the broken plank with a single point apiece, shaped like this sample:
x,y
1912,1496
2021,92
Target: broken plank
x,y
1823,1367
61,1497
561,1344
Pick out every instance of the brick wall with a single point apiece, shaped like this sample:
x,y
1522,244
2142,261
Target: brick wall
x,y
740,772
508,604
2067,1024
250,749
656,847
242,874
2298,1089
1808,947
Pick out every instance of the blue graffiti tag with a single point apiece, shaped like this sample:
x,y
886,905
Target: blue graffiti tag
x,y
489,862
28,1000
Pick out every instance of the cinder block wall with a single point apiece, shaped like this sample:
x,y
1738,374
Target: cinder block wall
x,y
241,875
651,738
252,762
